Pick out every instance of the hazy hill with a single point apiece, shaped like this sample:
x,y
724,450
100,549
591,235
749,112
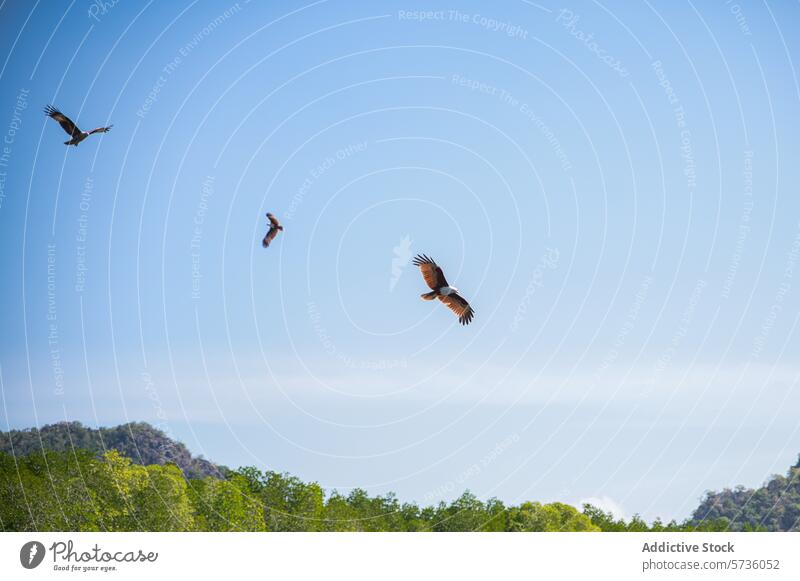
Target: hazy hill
x,y
139,441
773,507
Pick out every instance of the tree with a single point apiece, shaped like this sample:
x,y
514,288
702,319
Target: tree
x,y
226,505
554,517
161,501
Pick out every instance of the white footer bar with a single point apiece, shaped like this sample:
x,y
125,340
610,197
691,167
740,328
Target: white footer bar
x,y
382,556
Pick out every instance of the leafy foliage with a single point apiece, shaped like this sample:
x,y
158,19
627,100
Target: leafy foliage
x,y
73,489
79,491
532,516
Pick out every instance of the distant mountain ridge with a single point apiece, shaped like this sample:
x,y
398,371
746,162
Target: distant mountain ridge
x,y
139,441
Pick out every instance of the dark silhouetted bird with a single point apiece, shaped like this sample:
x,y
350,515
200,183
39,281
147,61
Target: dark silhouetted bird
x,y
72,130
274,226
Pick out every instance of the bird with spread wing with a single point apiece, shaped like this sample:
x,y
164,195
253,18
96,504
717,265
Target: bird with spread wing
x,y
274,227
72,130
434,278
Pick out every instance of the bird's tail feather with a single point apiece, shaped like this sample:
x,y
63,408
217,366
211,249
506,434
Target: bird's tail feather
x,y
428,296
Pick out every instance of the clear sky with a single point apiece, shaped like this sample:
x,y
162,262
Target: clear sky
x,y
612,185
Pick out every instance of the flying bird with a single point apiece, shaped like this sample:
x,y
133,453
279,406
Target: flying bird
x,y
434,278
274,226
72,130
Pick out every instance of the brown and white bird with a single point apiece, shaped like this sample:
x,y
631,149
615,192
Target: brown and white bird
x,y
72,130
434,278
274,226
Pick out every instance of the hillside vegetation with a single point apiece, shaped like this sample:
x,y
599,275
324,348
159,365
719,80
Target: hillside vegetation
x,y
138,441
67,477
773,507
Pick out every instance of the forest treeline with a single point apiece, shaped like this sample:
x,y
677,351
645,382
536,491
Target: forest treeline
x,y
81,491
76,489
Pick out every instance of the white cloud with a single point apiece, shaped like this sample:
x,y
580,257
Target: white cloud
x,y
605,504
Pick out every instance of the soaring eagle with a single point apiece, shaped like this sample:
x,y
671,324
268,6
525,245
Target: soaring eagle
x,y
66,123
434,278
274,226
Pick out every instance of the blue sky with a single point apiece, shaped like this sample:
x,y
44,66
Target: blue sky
x,y
613,187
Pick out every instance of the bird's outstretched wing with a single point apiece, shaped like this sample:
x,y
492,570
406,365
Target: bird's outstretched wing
x,y
431,272
101,129
271,234
273,220
459,306
65,122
